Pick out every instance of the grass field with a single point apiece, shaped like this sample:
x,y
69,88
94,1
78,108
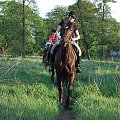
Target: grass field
x,y
26,92
97,91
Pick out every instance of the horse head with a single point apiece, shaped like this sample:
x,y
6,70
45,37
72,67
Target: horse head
x,y
68,30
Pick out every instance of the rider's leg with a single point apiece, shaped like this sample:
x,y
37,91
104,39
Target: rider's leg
x,y
78,58
78,64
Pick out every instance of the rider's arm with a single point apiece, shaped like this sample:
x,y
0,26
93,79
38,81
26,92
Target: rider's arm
x,y
77,37
50,40
58,29
57,32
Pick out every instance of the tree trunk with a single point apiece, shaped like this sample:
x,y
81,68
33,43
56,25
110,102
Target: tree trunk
x,y
23,35
102,30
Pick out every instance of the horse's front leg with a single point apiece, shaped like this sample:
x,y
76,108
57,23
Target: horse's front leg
x,y
60,89
70,88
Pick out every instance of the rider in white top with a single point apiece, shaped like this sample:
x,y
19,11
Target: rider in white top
x,y
76,36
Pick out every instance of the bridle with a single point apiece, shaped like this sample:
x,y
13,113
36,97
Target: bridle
x,y
68,31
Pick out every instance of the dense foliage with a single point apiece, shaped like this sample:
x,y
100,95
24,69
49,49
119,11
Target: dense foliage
x,y
99,31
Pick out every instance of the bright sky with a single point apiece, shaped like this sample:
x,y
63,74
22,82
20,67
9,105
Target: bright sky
x,y
47,5
115,10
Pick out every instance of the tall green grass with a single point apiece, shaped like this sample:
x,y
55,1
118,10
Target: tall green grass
x,y
26,92
97,91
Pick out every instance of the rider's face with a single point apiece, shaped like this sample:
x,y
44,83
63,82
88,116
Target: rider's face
x,y
71,19
53,33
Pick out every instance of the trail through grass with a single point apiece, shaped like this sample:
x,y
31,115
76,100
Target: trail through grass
x,y
26,92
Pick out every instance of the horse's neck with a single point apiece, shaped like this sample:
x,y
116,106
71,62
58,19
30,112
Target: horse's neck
x,y
67,51
69,48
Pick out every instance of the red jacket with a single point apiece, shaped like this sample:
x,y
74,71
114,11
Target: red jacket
x,y
52,39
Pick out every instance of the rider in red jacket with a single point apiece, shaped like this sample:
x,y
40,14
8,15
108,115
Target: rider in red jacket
x,y
52,38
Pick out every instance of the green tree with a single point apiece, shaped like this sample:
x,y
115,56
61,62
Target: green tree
x,y
104,26
40,33
94,21
12,25
55,16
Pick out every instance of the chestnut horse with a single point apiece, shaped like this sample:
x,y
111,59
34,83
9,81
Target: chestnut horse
x,y
65,60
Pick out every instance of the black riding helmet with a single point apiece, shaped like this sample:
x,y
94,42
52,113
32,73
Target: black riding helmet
x,y
53,30
72,14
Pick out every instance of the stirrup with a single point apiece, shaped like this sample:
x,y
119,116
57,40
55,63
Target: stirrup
x,y
50,68
78,70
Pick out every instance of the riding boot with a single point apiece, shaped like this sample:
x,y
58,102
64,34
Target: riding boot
x,y
78,65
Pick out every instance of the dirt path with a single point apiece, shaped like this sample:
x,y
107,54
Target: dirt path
x,y
66,115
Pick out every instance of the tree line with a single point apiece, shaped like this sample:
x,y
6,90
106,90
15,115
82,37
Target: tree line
x,y
24,32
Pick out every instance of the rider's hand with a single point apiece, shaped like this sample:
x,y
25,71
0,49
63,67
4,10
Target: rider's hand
x,y
72,42
73,39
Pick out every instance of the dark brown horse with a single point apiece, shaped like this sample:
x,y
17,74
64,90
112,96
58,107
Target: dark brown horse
x,y
65,60
46,56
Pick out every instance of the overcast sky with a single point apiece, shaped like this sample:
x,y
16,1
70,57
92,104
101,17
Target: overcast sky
x,y
47,5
